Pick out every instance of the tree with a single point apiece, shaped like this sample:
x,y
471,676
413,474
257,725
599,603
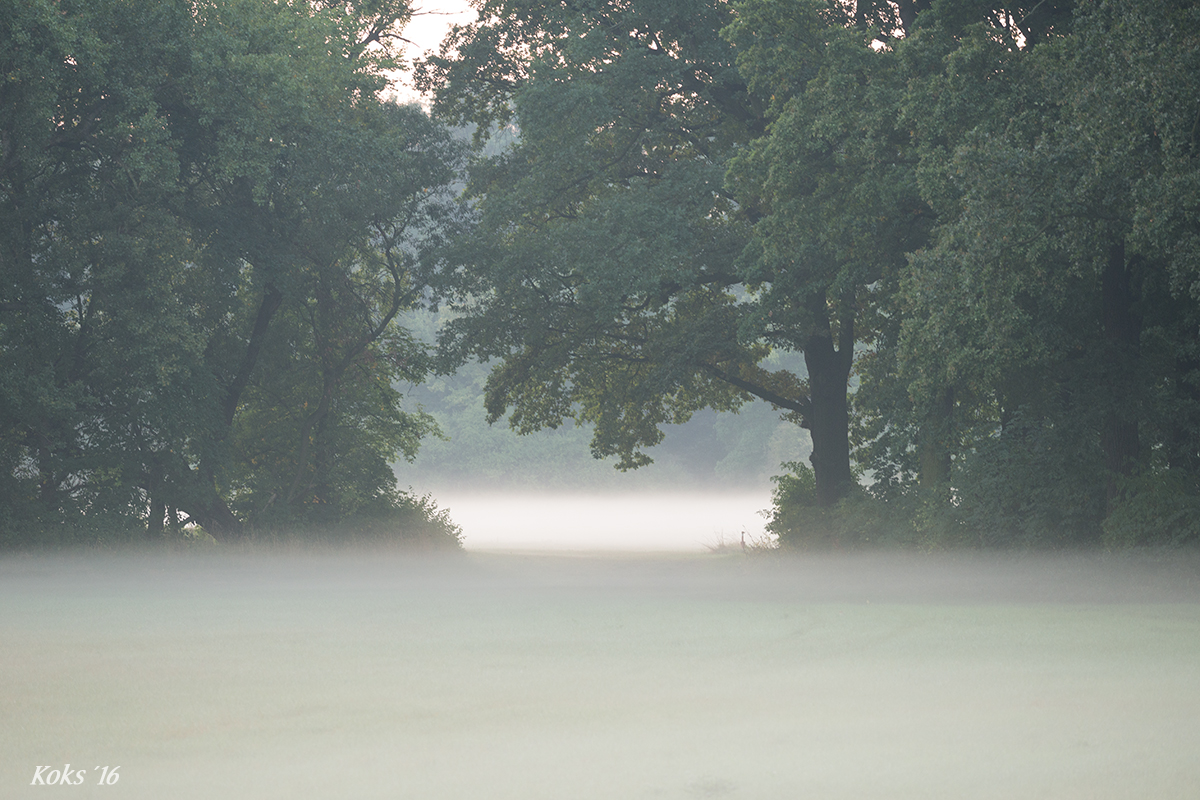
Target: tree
x,y
834,181
1045,307
988,208
618,275
210,218
603,271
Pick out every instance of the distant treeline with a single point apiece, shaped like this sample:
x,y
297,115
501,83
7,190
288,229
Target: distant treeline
x,y
955,245
711,451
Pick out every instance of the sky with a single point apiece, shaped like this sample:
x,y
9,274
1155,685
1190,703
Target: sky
x,y
432,20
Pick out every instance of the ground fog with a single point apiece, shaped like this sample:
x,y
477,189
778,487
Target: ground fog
x,y
627,521
379,674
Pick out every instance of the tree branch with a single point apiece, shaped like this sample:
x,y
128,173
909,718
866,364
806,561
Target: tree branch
x,y
801,406
272,299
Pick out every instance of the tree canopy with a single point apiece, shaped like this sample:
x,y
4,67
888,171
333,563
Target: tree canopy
x,y
210,222
981,215
959,242
1052,304
603,270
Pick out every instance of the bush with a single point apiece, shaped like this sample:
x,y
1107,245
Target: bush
x,y
390,517
858,520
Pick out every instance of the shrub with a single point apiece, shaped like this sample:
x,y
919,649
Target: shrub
x,y
858,520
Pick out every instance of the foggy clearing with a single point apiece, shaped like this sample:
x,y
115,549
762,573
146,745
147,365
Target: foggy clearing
x,y
380,674
661,521
920,279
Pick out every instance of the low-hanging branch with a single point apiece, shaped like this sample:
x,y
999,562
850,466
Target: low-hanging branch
x,y
800,405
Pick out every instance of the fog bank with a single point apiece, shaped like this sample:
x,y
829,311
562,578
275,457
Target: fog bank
x,y
628,521
377,674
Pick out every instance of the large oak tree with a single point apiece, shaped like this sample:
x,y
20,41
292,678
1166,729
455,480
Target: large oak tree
x,y
617,274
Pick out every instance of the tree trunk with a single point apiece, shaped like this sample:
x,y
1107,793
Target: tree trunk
x,y
156,505
204,504
197,496
157,520
1182,448
829,419
1122,330
933,445
216,519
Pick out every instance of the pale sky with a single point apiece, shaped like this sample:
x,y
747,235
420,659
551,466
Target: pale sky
x,y
432,20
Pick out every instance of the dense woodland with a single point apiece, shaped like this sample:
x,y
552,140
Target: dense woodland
x,y
210,223
977,224
987,213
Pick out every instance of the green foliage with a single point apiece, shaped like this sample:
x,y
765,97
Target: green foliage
x,y
1039,483
388,517
711,450
798,521
985,211
1042,305
602,278
1033,363
795,514
983,216
210,222
668,219
1156,509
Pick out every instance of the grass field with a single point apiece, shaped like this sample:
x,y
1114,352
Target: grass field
x,y
566,677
